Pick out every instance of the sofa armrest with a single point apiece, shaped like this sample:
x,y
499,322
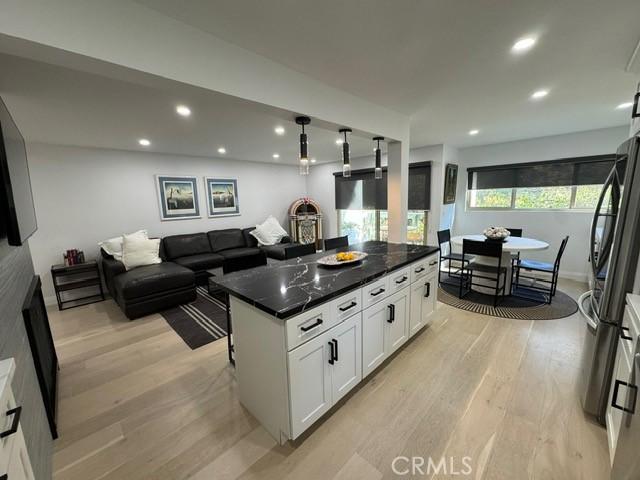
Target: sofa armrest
x,y
112,268
286,239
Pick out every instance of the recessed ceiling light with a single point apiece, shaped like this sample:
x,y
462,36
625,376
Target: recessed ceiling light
x,y
474,132
222,150
276,155
339,141
537,95
279,130
313,160
523,45
144,142
624,105
183,110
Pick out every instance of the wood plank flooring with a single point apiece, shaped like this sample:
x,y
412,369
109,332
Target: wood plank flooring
x,y
137,403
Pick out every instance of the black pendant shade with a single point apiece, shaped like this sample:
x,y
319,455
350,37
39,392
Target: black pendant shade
x,y
346,165
304,153
378,169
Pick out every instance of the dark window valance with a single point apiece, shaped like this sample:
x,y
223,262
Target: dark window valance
x,y
591,170
361,191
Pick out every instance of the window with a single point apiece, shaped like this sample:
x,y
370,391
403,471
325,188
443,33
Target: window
x,y
573,183
363,225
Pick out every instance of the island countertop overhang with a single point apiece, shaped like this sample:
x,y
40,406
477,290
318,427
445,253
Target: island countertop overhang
x,y
293,286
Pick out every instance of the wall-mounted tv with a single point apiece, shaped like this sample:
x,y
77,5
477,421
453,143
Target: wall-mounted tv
x,y
17,212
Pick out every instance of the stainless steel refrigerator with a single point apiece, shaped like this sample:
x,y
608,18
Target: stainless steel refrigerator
x,y
615,243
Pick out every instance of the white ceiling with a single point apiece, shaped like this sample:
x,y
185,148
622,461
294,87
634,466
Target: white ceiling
x,y
59,105
447,63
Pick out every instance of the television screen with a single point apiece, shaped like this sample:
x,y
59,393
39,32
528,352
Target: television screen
x,y
16,205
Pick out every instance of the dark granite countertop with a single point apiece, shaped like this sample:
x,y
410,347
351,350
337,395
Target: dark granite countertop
x,y
295,285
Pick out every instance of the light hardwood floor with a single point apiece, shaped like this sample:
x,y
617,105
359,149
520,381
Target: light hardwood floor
x,y
137,403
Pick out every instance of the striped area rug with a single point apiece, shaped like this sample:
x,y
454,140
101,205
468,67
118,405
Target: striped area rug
x,y
200,322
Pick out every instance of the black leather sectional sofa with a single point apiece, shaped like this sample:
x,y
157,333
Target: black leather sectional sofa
x,y
186,259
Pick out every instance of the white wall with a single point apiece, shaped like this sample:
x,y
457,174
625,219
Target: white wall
x,y
548,226
86,195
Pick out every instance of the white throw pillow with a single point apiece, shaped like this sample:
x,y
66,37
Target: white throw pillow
x,y
269,232
113,246
137,252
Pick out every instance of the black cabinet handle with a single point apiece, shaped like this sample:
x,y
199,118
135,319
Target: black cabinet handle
x,y
331,352
623,332
16,412
310,327
335,342
431,264
636,106
402,280
351,305
375,294
614,397
419,270
428,285
392,313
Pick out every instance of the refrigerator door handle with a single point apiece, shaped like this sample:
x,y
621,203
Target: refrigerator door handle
x,y
591,323
594,224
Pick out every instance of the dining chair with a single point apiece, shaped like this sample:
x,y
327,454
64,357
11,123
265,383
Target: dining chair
x,y
515,232
492,273
299,250
338,242
235,264
444,238
552,269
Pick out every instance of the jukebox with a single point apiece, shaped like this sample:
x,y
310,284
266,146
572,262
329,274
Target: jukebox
x,y
306,222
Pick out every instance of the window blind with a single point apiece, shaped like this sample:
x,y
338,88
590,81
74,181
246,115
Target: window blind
x,y
591,170
361,191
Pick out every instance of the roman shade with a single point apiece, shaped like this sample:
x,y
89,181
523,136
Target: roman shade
x,y
591,170
361,191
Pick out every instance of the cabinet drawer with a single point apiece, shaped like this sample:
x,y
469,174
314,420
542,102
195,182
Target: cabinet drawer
x,y
398,280
6,444
419,270
433,263
307,325
375,291
347,305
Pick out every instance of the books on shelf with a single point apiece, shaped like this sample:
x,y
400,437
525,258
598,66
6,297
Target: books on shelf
x,y
73,257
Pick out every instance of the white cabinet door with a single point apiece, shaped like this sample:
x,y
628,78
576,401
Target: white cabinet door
x,y
374,321
346,370
397,328
423,303
309,383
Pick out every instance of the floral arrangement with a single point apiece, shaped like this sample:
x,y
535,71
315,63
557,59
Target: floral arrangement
x,y
496,233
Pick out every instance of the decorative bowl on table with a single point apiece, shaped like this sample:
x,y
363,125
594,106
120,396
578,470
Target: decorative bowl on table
x,y
341,258
496,234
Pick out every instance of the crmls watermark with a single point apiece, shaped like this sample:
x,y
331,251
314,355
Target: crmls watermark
x,y
428,466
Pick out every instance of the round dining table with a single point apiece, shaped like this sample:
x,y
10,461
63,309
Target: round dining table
x,y
511,246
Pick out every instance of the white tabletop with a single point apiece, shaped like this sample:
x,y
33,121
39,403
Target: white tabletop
x,y
513,244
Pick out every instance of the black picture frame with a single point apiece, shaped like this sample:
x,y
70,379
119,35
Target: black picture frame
x,y
450,183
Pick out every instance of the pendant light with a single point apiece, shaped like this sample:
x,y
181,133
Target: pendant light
x,y
346,166
304,154
378,170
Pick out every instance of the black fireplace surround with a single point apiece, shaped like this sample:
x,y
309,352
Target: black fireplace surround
x,y
43,350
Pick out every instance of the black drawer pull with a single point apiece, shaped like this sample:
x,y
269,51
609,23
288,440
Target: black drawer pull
x,y
623,332
311,327
335,342
351,305
614,397
331,353
431,264
375,294
16,412
402,280
428,292
392,313
419,270
635,113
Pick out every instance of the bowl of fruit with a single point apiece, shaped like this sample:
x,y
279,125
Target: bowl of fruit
x,y
342,258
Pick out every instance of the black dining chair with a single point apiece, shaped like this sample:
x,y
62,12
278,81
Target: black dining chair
x,y
515,232
446,254
299,250
338,242
550,284
474,270
235,264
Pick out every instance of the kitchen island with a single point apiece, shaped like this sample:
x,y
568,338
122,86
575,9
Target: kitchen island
x,y
305,334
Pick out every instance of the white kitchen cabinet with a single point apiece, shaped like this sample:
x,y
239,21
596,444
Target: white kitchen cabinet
x,y
423,303
397,331
374,326
309,382
322,371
